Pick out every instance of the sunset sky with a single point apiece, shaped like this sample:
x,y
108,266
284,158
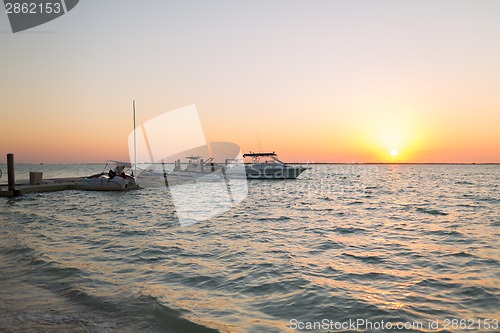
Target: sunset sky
x,y
318,81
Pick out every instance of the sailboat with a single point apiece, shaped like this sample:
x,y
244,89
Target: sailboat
x,y
117,178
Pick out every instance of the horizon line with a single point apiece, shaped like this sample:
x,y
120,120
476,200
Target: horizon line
x,y
309,163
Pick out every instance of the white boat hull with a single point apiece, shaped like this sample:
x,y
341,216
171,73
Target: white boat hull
x,y
198,177
158,180
273,171
105,184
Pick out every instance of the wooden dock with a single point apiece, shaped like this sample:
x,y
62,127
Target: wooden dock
x,y
35,184
26,188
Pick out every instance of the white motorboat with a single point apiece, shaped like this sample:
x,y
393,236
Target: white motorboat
x,y
199,170
114,179
268,166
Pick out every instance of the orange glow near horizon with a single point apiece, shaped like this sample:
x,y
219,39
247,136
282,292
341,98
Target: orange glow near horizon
x,y
380,138
389,135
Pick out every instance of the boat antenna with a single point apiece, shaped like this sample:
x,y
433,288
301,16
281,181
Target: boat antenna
x,y
135,147
259,143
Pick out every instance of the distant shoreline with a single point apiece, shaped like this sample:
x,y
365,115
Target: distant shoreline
x,y
406,163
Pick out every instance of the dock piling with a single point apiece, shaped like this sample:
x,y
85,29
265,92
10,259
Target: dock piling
x,y
11,177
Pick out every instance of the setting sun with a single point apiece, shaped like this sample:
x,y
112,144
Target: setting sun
x,y
390,134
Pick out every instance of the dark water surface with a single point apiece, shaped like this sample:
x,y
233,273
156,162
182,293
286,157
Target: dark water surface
x,y
405,245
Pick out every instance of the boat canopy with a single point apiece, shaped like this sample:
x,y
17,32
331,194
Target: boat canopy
x,y
259,154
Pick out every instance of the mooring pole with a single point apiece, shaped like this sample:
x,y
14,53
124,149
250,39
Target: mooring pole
x,y
11,178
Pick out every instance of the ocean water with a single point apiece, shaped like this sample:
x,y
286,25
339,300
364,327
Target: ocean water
x,y
344,248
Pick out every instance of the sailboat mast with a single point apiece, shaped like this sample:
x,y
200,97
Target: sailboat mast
x,y
135,148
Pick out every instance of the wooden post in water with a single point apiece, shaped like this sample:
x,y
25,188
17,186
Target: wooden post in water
x,y
11,177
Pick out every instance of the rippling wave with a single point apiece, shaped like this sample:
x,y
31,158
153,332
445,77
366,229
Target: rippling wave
x,y
385,243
